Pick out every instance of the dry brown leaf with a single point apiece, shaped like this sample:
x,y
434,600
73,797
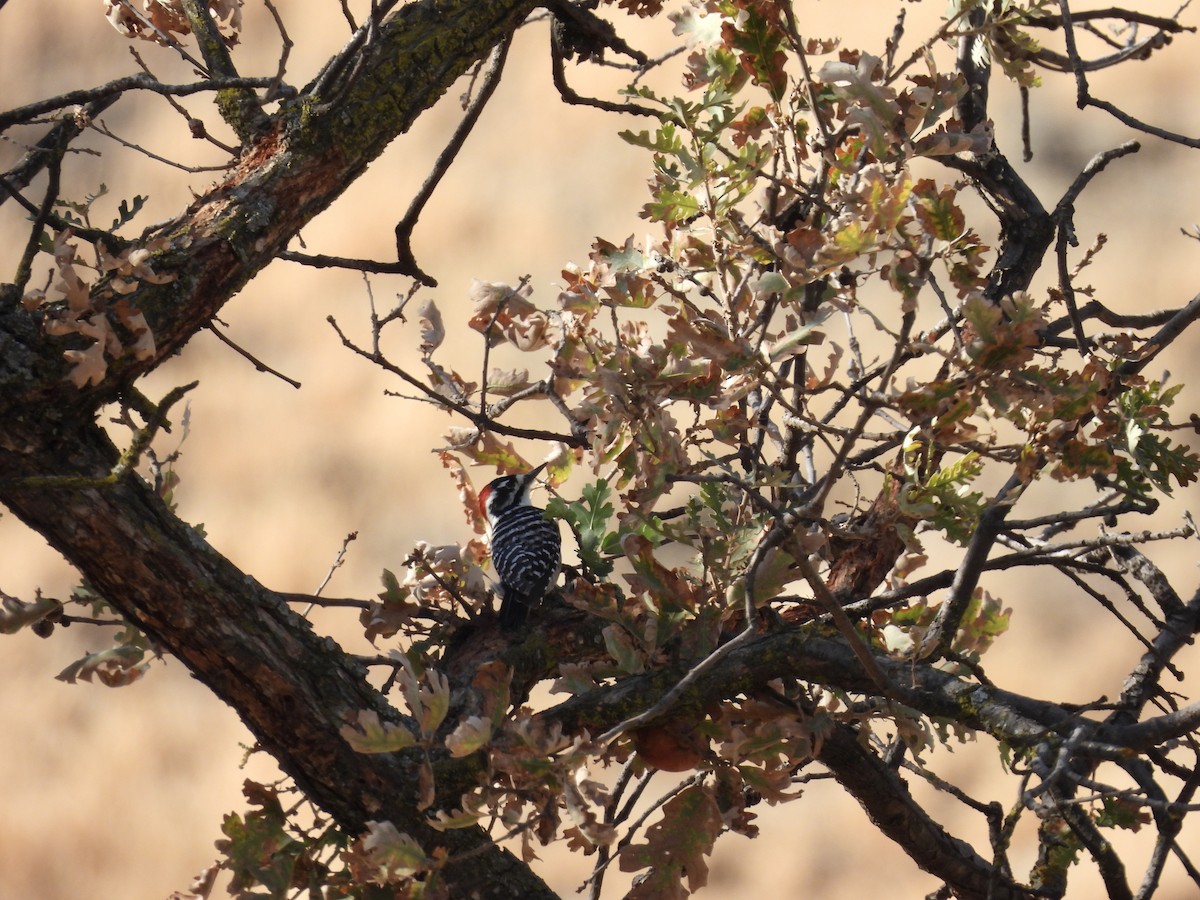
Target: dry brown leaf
x,y
87,366
433,332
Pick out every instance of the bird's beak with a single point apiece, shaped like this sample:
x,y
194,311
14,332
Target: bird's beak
x,y
537,470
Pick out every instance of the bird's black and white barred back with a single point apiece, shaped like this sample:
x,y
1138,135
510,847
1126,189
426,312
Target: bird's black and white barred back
x,y
526,546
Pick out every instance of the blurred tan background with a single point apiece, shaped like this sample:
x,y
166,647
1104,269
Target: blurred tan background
x,y
119,793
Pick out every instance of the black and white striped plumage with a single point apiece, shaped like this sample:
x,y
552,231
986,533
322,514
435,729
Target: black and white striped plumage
x,y
526,547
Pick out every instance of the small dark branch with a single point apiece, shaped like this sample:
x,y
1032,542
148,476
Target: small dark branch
x,y
119,86
750,490
58,223
538,389
656,61
1064,215
404,227
942,580
986,809
1101,313
1066,239
1167,816
33,244
1109,607
1081,84
579,32
66,620
418,560
893,42
258,364
1056,62
1095,166
285,50
320,261
1154,868
1131,16
1047,552
1074,516
1112,870
344,68
1172,329
338,561
1103,36
39,156
334,68
1192,871
604,853
1084,98
196,127
1144,681
1167,837
101,128
324,601
1144,127
378,322
578,428
991,521
607,854
569,95
1026,139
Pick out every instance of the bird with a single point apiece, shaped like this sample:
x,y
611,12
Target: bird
x,y
526,546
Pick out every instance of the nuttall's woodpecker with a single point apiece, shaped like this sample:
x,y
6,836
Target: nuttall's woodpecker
x,y
526,547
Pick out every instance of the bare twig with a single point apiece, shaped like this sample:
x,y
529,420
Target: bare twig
x,y
338,561
481,420
41,216
441,166
258,364
285,49
320,261
196,127
101,128
1083,95
119,86
1064,214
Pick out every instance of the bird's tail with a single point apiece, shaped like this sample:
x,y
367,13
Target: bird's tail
x,y
514,609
